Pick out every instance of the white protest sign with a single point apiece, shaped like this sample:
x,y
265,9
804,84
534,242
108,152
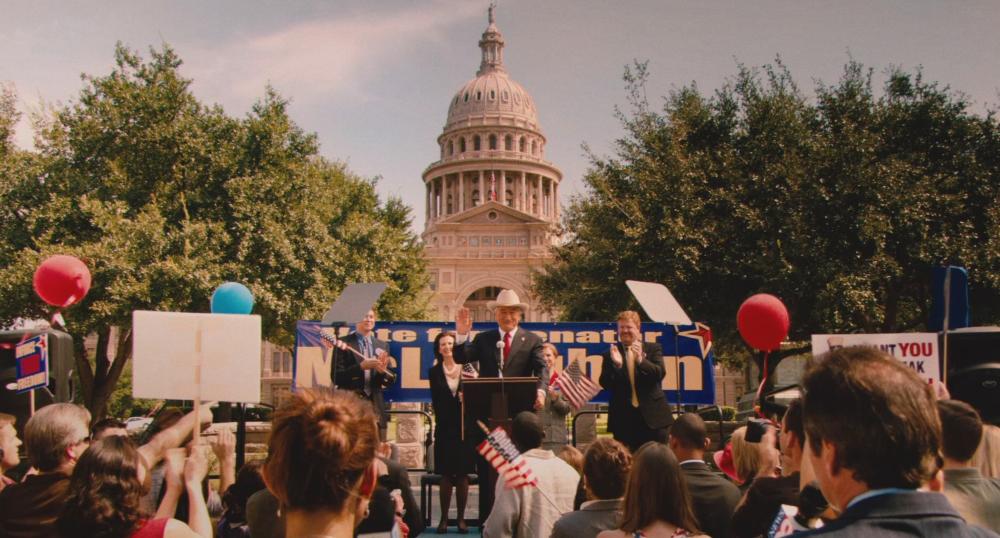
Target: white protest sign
x,y
919,351
165,361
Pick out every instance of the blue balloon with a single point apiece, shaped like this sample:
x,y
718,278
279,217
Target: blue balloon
x,y
232,298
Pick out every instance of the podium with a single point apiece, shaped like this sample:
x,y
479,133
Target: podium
x,y
494,401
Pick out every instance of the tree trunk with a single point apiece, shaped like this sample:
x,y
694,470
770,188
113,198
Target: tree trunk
x,y
83,369
98,403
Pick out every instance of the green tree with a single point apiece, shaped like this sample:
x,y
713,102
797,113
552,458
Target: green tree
x,y
841,205
165,198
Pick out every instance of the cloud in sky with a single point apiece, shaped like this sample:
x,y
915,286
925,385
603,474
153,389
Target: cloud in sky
x,y
319,58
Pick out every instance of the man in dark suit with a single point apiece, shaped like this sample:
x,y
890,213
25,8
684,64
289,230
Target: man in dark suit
x,y
367,377
632,372
713,498
873,438
519,354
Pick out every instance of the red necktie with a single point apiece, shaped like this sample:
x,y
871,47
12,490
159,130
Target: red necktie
x,y
506,349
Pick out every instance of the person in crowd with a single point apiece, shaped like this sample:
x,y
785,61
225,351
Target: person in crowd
x,y
572,455
762,502
453,457
9,443
713,498
975,497
233,523
55,438
746,459
106,427
632,372
396,477
873,436
367,377
556,407
657,503
171,428
264,516
105,490
987,458
605,468
319,465
507,351
525,512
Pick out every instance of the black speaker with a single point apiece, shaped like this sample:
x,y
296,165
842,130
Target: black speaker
x,y
974,369
61,363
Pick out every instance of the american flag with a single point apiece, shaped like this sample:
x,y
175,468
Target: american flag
x,y
493,187
500,451
469,371
576,387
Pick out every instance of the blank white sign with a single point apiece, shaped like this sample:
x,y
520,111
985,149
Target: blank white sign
x,y
164,357
658,302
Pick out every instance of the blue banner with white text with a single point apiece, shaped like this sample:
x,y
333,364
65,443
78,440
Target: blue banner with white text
x,y
687,354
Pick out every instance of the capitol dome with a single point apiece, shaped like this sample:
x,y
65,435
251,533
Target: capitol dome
x,y
492,93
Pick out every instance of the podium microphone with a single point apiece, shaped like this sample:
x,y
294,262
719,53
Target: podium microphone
x,y
499,355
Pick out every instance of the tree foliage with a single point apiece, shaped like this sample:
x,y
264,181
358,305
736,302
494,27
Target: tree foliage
x,y
839,204
165,198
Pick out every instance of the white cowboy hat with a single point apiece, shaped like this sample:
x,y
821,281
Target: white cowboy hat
x,y
507,298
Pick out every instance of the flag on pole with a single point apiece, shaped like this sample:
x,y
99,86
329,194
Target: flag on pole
x,y
576,387
500,451
493,187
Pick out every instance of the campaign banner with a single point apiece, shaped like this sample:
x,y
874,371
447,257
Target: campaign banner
x,y
687,355
31,357
919,351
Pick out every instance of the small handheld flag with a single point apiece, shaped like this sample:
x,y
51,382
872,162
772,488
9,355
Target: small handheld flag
x,y
576,387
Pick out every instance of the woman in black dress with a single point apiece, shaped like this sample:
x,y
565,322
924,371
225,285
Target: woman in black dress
x,y
453,459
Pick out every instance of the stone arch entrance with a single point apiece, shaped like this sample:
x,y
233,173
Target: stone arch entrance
x,y
476,303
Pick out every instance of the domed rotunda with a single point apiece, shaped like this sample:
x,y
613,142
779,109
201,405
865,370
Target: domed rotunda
x,y
492,198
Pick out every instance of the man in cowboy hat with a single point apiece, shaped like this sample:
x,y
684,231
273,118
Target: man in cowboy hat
x,y
508,350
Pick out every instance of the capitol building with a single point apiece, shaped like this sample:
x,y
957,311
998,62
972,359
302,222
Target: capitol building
x,y
492,201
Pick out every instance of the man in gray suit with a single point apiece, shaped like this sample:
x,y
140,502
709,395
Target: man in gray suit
x,y
605,468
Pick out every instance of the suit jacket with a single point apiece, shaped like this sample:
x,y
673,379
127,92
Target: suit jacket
x,y
913,513
525,358
648,378
589,520
399,478
350,376
713,499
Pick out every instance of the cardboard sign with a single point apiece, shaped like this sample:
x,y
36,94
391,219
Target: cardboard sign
x,y
166,364
919,351
32,359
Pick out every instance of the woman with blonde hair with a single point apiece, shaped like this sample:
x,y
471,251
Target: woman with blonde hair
x,y
320,462
657,503
987,457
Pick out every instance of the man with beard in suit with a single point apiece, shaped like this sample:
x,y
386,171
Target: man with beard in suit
x,y
366,377
507,351
632,371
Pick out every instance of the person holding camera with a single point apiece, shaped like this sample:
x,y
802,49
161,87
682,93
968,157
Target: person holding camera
x,y
763,499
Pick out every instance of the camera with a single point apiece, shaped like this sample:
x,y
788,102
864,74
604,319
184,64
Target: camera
x,y
756,428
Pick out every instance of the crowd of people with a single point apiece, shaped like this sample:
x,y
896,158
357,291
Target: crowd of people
x,y
868,450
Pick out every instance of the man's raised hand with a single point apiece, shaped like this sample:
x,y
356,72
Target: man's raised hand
x,y
616,356
463,321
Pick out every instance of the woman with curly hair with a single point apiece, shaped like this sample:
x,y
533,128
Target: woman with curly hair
x,y
106,489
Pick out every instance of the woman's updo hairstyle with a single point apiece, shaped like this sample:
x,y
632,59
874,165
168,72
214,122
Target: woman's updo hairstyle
x,y
320,446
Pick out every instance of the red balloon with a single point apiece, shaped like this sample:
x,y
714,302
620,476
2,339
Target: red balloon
x,y
763,322
62,280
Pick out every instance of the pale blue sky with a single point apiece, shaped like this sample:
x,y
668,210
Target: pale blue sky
x,y
374,79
